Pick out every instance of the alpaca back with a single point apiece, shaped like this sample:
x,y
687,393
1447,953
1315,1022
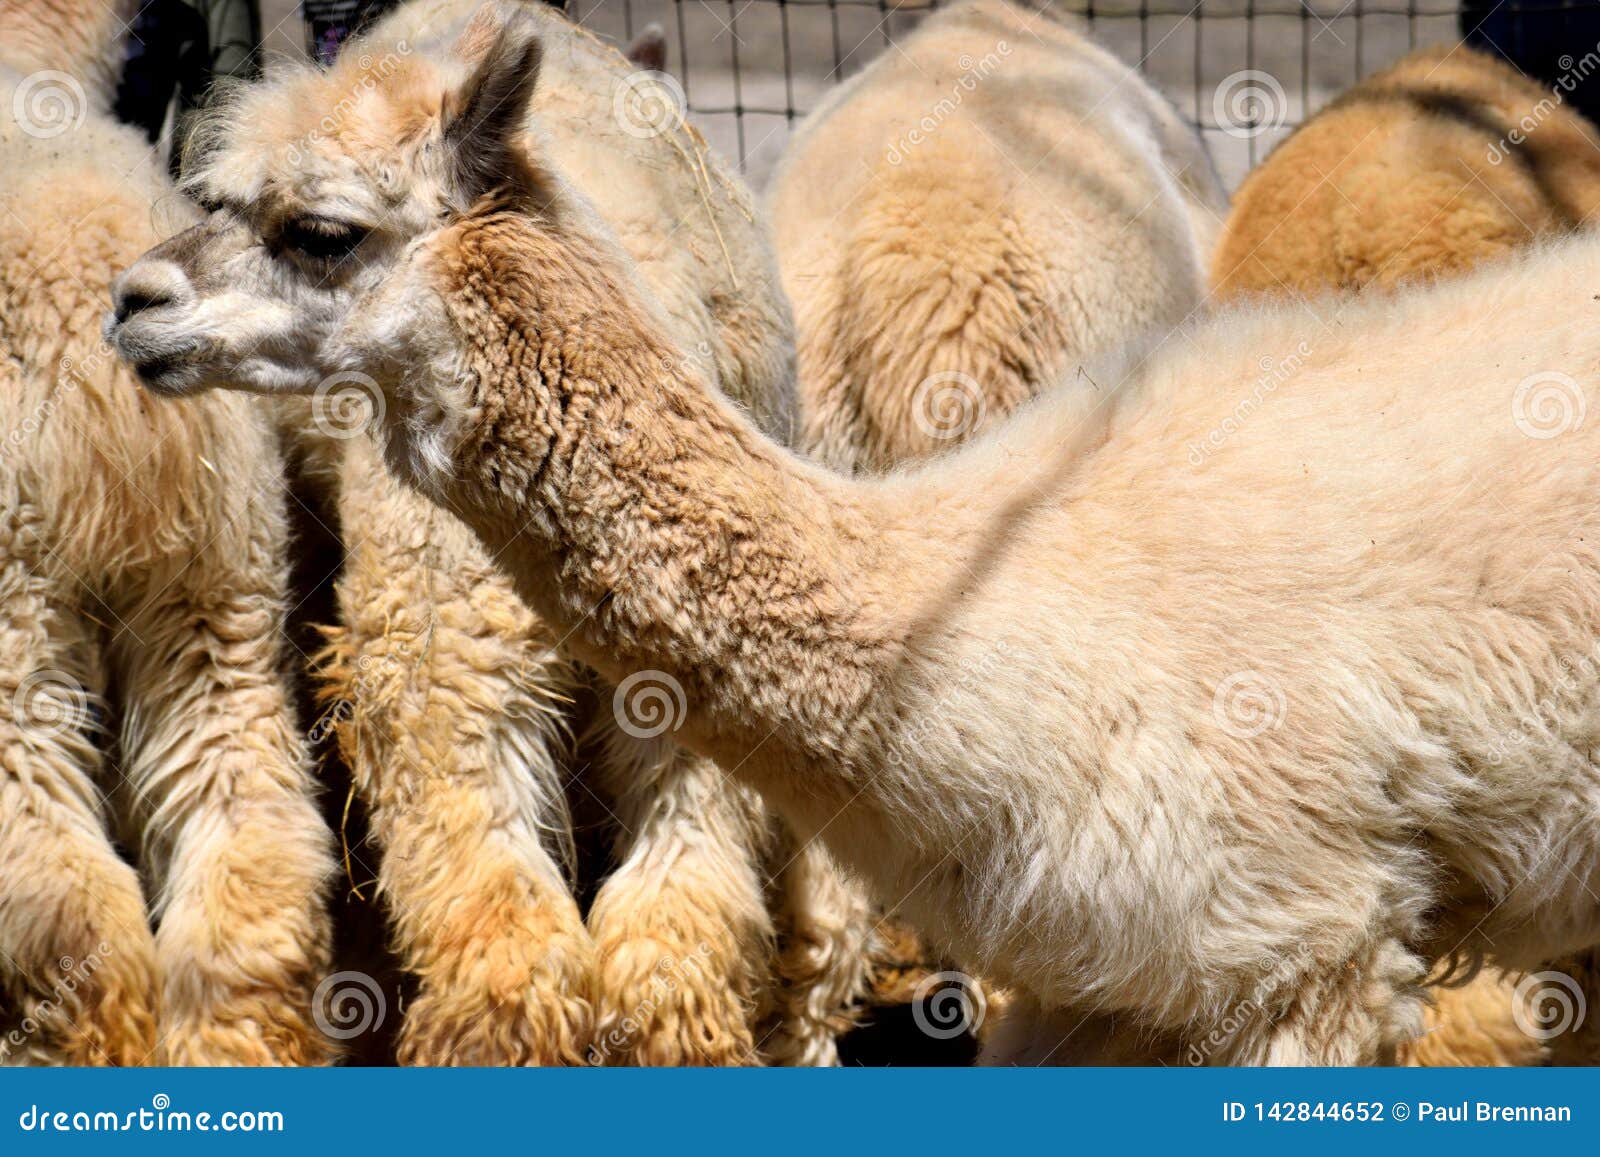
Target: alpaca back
x,y
972,214
690,228
125,483
1447,159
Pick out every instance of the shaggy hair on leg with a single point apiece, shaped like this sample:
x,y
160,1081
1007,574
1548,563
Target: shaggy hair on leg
x,y
143,571
439,683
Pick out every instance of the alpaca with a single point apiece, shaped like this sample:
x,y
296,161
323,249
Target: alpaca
x,y
1418,143
143,573
933,288
966,218
446,694
1426,169
1280,729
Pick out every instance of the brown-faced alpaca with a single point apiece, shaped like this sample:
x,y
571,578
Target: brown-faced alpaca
x,y
449,697
941,278
1034,685
1411,175
1446,159
142,592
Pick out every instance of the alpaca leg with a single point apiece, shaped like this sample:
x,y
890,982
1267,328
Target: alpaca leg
x,y
681,926
224,798
1488,1022
1353,1012
448,703
825,933
77,960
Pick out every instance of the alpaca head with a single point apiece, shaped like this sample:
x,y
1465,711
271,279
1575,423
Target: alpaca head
x,y
319,185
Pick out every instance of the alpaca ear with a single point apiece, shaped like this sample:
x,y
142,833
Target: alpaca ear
x,y
492,106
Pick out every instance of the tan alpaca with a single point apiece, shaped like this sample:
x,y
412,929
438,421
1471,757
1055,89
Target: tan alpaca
x,y
1446,159
943,276
967,217
143,574
1400,179
449,699
1124,730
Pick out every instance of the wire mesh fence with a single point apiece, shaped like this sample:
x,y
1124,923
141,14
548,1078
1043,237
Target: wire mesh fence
x,y
1245,72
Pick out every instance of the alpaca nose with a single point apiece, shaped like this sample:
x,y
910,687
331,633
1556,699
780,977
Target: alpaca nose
x,y
148,285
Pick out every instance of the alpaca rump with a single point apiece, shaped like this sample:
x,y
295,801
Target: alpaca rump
x,y
1413,142
969,216
1107,818
934,287
142,593
1446,159
448,697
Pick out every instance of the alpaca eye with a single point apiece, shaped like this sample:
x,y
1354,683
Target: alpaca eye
x,y
320,238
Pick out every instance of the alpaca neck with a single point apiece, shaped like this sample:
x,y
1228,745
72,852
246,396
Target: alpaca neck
x,y
642,514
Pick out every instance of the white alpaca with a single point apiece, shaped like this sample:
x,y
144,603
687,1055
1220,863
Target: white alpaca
x,y
967,218
450,700
1130,726
143,582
